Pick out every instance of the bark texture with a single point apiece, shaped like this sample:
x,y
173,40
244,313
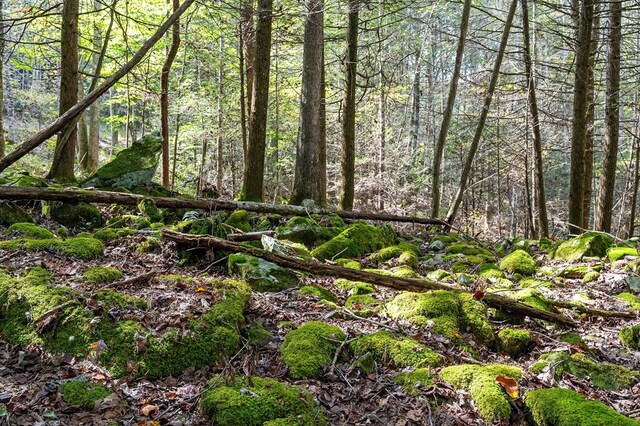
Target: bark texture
x,y
164,95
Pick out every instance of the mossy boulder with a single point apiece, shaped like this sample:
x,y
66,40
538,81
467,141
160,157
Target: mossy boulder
x,y
112,299
564,407
239,220
309,349
11,213
83,394
102,274
25,180
109,234
589,244
603,375
490,271
261,274
80,247
310,231
363,305
617,253
349,263
285,248
147,207
470,250
318,292
355,287
131,168
412,381
357,240
630,336
73,215
515,342
480,381
401,351
258,401
518,262
29,230
404,254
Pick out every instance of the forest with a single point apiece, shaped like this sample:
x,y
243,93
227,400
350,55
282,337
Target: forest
x,y
319,212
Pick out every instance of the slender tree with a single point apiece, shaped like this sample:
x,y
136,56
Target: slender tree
x,y
2,36
164,96
611,120
310,169
93,145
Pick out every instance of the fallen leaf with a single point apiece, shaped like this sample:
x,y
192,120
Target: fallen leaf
x,y
201,288
509,385
99,347
479,294
169,395
148,409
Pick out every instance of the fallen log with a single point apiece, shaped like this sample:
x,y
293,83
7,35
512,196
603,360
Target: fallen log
x,y
494,300
209,204
591,311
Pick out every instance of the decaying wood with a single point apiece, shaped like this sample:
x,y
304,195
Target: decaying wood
x,y
249,236
108,197
593,312
139,279
397,283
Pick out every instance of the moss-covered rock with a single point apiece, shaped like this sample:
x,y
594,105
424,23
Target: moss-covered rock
x,y
355,287
102,274
74,215
29,230
388,348
489,270
438,275
564,407
630,336
80,247
318,292
480,381
349,263
591,276
286,248
83,394
25,180
131,168
11,213
310,231
603,375
617,253
309,349
260,274
147,207
239,220
357,240
518,262
412,381
467,265
404,253
109,234
589,244
258,401
515,342
363,305
536,283
470,250
112,299
574,339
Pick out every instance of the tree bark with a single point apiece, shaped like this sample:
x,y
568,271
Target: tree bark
x,y
591,115
310,169
63,160
63,120
164,95
541,203
219,137
579,124
448,111
253,182
2,36
349,113
611,120
83,133
466,171
636,180
93,145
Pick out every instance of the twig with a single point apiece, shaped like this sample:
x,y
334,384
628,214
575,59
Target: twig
x,y
144,278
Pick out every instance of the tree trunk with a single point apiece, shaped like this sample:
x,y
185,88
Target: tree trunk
x,y
579,124
83,134
249,51
448,111
253,182
636,180
611,120
382,134
483,116
349,112
310,171
2,36
591,115
219,138
62,167
541,203
93,145
164,96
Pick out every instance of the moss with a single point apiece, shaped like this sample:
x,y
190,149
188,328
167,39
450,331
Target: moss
x,y
357,240
260,274
467,264
355,287
480,381
349,263
309,349
175,280
239,220
389,348
591,276
630,336
29,230
489,270
83,394
405,253
109,234
446,238
576,271
308,231
470,250
631,300
257,334
532,297
113,299
287,325
102,274
519,261
474,319
617,253
147,207
27,181
11,213
564,407
397,271
148,245
363,305
602,375
257,401
515,342
574,339
74,215
286,248
209,226
589,244
318,292
411,381
536,283
438,275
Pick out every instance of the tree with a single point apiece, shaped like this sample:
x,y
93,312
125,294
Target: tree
x,y
2,36
611,120
579,124
62,167
310,169
349,112
253,183
164,95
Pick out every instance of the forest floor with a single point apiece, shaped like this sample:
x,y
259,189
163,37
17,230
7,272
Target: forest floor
x,y
30,377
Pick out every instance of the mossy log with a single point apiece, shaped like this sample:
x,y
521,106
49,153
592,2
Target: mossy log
x,y
397,283
108,197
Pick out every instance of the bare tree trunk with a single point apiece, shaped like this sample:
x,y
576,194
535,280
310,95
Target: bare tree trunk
x,y
382,133
579,124
591,115
219,138
93,143
448,112
541,203
636,180
453,209
253,182
164,96
611,120
243,96
310,170
83,134
349,113
2,36
249,47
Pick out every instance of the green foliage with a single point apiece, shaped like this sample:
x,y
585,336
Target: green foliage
x,y
386,347
102,274
631,300
29,230
83,394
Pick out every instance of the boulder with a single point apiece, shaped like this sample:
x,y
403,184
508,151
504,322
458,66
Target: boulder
x,y
589,244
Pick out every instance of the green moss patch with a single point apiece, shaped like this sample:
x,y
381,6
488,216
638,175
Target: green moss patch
x,y
260,274
515,342
11,213
318,292
29,230
113,299
630,336
470,250
489,270
519,262
258,401
564,407
309,349
589,244
480,381
363,305
404,253
147,207
74,215
617,253
102,274
388,348
355,287
349,263
309,231
239,220
83,394
357,240
80,247
412,381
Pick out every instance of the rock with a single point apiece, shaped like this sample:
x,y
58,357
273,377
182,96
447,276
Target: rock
x,y
309,349
515,342
363,305
386,347
318,292
357,240
260,274
630,336
589,244
617,253
73,215
404,253
239,221
518,262
310,231
11,213
131,168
